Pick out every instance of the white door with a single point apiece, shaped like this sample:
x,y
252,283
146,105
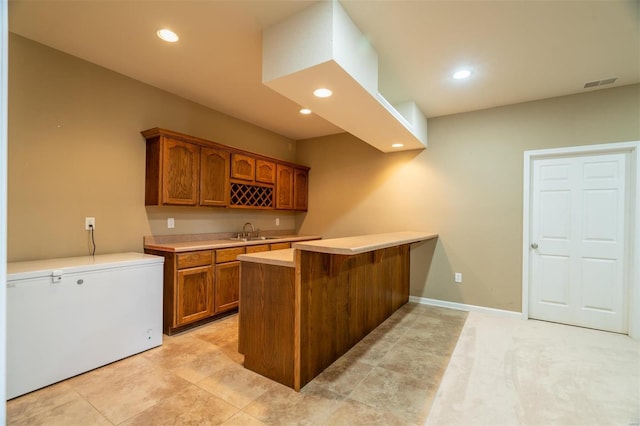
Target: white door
x,y
577,252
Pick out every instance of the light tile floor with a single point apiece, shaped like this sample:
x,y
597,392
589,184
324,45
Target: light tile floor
x,y
197,378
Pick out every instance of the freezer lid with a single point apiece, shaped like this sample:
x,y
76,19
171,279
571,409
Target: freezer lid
x,y
18,271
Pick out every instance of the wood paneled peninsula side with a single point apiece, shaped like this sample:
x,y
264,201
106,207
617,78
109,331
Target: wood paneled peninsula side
x,y
303,308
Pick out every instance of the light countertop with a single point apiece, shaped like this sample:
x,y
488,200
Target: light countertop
x,y
212,244
274,257
344,246
363,243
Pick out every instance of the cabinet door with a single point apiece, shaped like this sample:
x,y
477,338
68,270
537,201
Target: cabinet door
x,y
194,294
214,177
180,164
243,167
284,187
300,189
265,171
227,286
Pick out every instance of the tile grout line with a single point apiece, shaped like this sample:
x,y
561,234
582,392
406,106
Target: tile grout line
x,y
390,350
375,365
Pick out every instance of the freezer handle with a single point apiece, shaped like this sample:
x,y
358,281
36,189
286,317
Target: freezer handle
x,y
56,276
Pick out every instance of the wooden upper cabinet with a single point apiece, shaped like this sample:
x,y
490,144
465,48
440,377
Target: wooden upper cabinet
x,y
265,171
214,177
300,189
243,167
188,171
284,187
180,165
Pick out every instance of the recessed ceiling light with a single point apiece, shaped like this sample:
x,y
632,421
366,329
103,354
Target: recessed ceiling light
x,y
397,145
461,74
167,35
322,92
305,111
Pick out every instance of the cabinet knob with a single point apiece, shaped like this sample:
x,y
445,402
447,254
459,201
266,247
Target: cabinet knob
x,y
534,246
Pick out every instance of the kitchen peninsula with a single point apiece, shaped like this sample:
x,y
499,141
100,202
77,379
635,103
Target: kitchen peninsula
x,y
303,308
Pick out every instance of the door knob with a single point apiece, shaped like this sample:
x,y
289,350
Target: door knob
x,y
534,246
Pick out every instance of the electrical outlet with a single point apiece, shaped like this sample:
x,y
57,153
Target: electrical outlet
x,y
277,221
89,223
171,223
458,277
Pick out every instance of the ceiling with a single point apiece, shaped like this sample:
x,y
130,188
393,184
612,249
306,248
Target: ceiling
x,y
519,50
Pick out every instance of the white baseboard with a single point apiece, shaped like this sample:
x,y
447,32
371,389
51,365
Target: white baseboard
x,y
465,307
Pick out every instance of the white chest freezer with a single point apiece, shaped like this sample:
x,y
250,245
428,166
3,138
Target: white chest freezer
x,y
68,316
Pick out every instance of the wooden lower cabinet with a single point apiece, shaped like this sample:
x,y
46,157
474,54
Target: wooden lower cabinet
x,y
227,282
193,287
227,285
187,288
194,294
201,284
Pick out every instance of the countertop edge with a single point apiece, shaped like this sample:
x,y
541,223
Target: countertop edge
x,y
364,243
283,257
181,247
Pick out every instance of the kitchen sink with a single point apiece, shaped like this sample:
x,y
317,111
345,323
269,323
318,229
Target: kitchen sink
x,y
245,239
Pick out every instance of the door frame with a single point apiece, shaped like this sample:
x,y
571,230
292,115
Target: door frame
x,y
632,245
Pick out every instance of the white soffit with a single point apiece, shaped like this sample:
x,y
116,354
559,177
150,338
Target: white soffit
x,y
322,47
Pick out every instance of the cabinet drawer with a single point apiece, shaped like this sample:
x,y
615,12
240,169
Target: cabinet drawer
x,y
280,246
228,255
195,258
257,249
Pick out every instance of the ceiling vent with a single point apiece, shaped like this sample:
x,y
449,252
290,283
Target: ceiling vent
x,y
600,82
322,47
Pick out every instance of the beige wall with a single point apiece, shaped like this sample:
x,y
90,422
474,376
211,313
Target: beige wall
x,y
467,186
75,150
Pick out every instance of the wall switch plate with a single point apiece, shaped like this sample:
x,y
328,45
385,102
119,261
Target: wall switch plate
x,y
277,221
171,223
89,223
458,277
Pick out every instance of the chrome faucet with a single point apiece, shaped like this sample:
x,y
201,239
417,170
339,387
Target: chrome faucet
x,y
246,234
